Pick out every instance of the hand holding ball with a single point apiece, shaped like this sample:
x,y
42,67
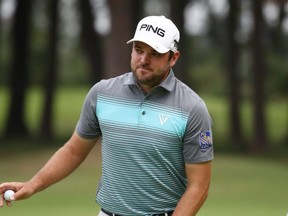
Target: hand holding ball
x,y
8,194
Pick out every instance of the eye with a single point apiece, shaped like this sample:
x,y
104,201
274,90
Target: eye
x,y
138,50
156,54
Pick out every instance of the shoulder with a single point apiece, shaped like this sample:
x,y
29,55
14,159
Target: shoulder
x,y
118,80
189,98
111,84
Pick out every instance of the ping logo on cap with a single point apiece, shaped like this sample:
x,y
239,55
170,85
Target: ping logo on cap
x,y
156,30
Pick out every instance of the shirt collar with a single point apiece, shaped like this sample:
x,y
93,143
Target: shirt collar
x,y
167,84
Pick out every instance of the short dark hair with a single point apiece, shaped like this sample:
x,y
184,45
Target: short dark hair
x,y
171,53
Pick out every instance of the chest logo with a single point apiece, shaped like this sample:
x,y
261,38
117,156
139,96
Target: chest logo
x,y
163,119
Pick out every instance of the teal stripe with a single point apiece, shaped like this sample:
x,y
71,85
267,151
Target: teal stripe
x,y
114,112
168,120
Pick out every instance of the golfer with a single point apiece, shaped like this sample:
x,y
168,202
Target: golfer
x,y
155,132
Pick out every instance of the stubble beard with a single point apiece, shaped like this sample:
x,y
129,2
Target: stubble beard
x,y
144,75
147,77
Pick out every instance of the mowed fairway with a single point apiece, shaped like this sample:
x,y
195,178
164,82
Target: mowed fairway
x,y
75,195
247,186
240,186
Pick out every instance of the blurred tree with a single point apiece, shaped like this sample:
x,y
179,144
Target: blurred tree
x,y
0,36
46,129
232,61
277,30
110,56
91,41
260,141
123,14
136,12
280,52
280,43
177,15
15,122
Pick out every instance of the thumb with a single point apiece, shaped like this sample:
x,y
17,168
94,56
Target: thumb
x,y
12,198
23,193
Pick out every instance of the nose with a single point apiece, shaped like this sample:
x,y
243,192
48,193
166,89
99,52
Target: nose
x,y
144,59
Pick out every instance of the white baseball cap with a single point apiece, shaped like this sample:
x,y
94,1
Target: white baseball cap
x,y
158,32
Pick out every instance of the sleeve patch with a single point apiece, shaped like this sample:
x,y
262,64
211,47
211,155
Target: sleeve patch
x,y
205,140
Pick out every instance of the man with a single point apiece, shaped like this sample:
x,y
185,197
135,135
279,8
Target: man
x,y
156,135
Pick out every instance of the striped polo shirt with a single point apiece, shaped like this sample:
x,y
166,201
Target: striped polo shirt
x,y
146,141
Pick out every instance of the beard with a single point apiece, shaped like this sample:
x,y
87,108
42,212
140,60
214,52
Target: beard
x,y
148,78
143,74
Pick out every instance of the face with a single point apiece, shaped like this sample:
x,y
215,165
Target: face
x,y
150,67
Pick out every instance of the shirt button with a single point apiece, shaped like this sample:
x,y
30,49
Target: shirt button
x,y
143,112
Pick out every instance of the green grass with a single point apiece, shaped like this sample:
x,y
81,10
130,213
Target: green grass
x,y
72,196
247,186
240,186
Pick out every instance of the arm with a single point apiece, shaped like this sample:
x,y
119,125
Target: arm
x,y
60,165
198,176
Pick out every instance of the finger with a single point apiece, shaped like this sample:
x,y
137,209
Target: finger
x,y
8,203
1,200
8,186
23,193
3,188
14,186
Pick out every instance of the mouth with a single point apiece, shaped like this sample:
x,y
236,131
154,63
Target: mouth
x,y
143,69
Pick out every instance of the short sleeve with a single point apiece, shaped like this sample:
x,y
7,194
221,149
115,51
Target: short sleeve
x,y
88,126
198,141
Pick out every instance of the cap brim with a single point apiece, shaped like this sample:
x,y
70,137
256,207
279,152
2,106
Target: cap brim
x,y
158,47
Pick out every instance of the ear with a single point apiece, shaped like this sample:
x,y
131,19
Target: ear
x,y
174,58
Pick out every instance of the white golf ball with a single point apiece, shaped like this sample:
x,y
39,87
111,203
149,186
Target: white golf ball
x,y
8,194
